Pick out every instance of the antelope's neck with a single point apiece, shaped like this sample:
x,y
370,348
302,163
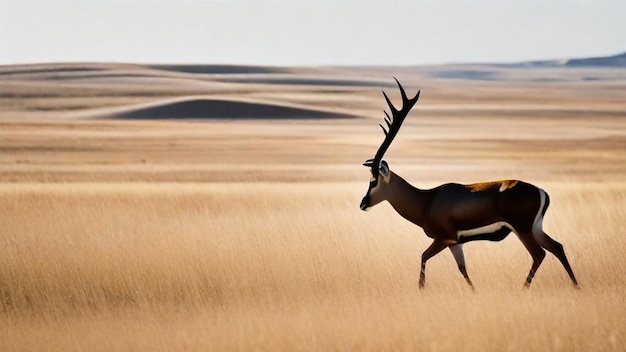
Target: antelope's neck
x,y
407,200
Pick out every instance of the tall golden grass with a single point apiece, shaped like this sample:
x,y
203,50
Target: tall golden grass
x,y
247,235
94,266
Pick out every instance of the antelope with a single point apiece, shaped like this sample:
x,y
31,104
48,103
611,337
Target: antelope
x,y
453,214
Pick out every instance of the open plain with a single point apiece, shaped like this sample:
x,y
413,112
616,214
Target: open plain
x,y
212,208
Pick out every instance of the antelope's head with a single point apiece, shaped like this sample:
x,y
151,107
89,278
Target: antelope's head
x,y
378,188
379,182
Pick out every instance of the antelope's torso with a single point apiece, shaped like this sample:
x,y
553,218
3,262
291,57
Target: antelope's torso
x,y
479,211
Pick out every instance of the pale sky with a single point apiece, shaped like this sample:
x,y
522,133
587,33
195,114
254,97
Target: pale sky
x,y
323,32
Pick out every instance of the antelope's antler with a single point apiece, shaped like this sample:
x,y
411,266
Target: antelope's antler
x,y
393,126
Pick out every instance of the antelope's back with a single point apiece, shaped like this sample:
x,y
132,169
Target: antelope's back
x,y
480,204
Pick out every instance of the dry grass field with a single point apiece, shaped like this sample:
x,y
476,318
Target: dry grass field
x,y
231,220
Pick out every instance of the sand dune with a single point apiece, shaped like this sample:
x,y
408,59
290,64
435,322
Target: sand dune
x,y
219,69
310,81
34,69
212,108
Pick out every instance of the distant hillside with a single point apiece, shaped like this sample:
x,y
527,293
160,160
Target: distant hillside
x,y
611,61
198,108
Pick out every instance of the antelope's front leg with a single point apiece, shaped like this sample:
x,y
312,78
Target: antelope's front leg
x,y
436,247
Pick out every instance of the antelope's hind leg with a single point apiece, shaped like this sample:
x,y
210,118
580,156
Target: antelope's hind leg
x,y
457,252
555,248
535,250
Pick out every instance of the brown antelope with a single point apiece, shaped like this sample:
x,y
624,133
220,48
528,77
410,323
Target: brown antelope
x,y
453,214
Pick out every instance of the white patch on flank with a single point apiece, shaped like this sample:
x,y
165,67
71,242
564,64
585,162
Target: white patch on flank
x,y
484,229
538,223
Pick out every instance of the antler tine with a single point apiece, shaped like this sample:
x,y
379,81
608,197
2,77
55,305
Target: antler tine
x,y
387,119
407,103
388,122
403,93
394,111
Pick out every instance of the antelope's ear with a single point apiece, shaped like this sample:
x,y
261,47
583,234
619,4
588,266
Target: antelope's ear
x,y
384,168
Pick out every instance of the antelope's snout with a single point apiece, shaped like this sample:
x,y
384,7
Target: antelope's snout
x,y
364,203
